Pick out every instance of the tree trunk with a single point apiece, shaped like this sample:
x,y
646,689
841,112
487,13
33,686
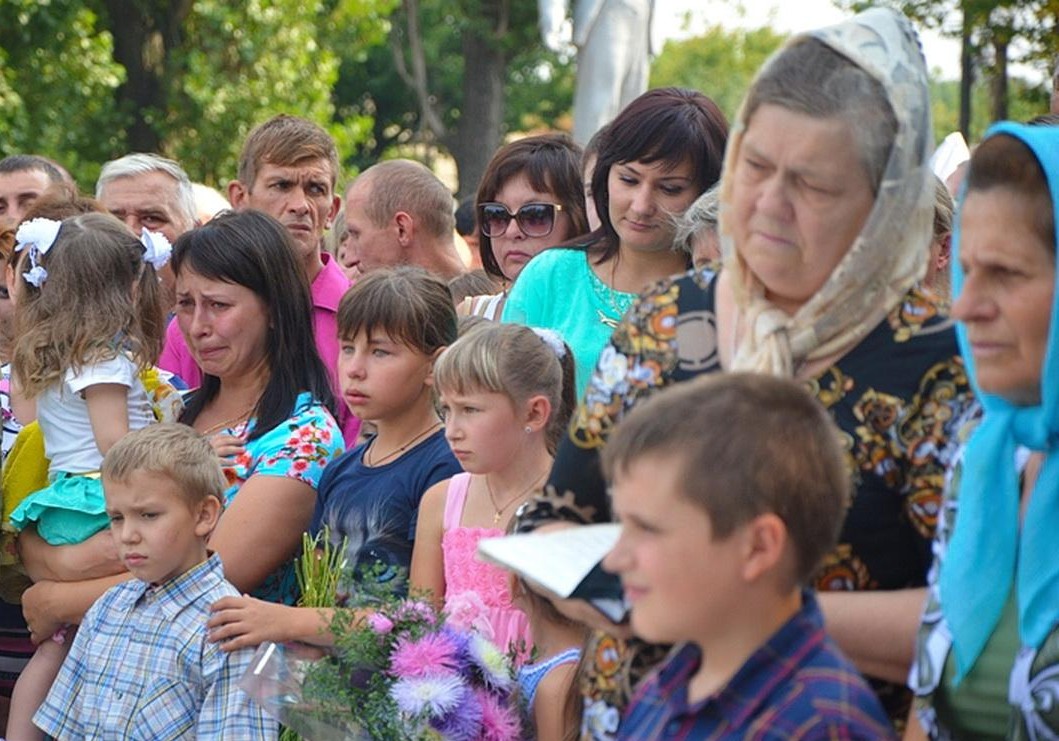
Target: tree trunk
x,y
966,77
414,72
144,36
998,86
477,134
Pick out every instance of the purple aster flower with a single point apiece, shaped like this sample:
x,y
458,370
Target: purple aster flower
x,y
417,610
432,696
463,722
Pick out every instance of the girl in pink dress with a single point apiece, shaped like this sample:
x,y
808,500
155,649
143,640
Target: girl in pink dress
x,y
506,394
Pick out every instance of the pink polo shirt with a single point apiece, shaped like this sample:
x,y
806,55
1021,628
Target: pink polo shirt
x,y
326,290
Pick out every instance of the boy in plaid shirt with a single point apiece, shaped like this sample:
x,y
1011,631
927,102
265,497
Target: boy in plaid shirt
x,y
140,666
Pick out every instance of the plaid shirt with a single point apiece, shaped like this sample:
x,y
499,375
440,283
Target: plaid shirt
x,y
141,668
796,686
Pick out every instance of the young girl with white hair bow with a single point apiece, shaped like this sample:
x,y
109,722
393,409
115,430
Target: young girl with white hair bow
x,y
90,318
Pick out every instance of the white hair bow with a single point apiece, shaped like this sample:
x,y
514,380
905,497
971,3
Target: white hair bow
x,y
552,339
38,235
156,248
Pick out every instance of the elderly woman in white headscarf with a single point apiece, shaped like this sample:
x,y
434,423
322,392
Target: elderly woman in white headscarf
x,y
826,208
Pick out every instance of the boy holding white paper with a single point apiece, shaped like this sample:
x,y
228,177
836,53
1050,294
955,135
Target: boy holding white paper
x,y
730,490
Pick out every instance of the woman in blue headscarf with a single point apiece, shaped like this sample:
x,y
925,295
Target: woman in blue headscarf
x,y
987,659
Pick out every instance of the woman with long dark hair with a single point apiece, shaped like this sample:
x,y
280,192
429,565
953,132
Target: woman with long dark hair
x,y
243,307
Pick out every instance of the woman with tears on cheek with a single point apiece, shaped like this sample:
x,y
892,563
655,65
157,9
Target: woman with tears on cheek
x,y
265,401
655,158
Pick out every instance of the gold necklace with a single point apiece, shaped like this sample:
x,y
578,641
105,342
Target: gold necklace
x,y
395,453
243,415
610,292
500,510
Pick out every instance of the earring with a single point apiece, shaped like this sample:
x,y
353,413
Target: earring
x,y
528,429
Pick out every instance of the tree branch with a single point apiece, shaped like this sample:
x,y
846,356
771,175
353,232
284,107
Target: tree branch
x,y
417,78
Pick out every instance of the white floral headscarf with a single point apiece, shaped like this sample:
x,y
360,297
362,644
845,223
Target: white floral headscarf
x,y
890,253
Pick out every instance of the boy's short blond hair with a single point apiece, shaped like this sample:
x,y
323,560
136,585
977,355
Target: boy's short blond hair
x,y
172,450
748,445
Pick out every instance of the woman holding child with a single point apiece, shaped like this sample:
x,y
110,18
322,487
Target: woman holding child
x,y
244,308
826,207
986,654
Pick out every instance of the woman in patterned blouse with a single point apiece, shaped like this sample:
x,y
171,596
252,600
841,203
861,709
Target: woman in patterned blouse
x,y
826,213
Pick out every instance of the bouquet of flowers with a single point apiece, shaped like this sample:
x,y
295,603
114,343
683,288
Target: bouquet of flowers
x,y
398,672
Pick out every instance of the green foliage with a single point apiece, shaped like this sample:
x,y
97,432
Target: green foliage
x,y
538,93
1027,29
319,570
251,61
236,65
224,67
57,83
1026,101
723,63
1032,21
719,63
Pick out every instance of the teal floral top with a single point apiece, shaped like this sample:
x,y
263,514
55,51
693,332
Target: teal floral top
x,y
299,448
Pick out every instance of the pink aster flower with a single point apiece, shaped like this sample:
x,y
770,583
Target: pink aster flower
x,y
380,623
417,610
431,655
499,721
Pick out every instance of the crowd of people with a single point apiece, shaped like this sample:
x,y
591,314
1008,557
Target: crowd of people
x,y
830,461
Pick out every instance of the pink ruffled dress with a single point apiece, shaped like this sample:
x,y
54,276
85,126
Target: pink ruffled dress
x,y
476,593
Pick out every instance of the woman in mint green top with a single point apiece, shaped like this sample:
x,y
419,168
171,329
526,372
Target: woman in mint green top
x,y
987,653
656,157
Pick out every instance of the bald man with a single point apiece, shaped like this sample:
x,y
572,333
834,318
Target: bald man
x,y
399,213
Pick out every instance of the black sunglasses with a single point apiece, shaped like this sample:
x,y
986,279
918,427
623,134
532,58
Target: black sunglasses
x,y
533,219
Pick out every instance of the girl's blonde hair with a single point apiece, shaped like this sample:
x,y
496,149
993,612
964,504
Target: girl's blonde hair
x,y
513,360
100,298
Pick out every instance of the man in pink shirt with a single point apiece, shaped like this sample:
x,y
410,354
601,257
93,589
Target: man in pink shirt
x,y
288,168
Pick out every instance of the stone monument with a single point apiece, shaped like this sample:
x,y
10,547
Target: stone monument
x,y
612,38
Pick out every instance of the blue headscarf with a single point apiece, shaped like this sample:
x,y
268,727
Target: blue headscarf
x,y
986,555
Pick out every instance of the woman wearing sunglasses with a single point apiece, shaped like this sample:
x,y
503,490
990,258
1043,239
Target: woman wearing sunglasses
x,y
530,198
656,157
